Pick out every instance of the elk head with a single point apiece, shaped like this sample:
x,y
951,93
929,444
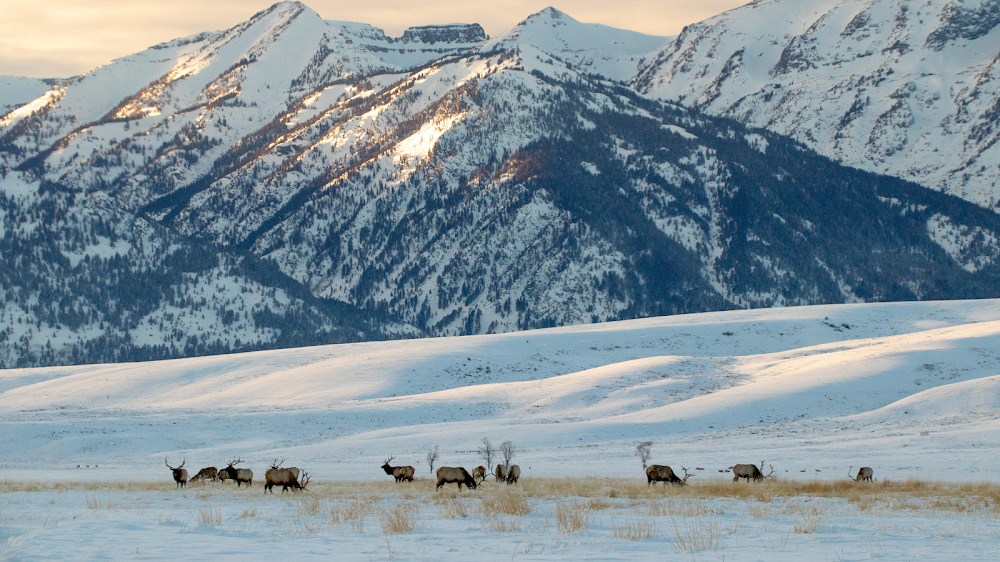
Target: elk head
x,y
305,480
173,467
234,462
386,467
768,475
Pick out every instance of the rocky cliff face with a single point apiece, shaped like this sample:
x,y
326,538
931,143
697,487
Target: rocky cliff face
x,y
287,177
898,87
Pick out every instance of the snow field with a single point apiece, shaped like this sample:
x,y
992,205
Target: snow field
x,y
540,518
909,389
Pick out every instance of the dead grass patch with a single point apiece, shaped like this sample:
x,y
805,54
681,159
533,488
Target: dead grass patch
x,y
507,500
633,529
572,518
696,534
401,518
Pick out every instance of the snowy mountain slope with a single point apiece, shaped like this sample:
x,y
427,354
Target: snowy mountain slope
x,y
901,88
85,280
592,48
836,380
447,187
16,91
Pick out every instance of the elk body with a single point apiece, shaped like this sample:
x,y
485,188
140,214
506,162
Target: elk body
x,y
749,472
283,477
210,473
479,473
456,475
662,473
240,475
400,473
180,474
864,474
500,473
513,473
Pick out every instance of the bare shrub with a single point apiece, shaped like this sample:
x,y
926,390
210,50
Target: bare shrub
x,y
642,451
572,518
432,457
507,451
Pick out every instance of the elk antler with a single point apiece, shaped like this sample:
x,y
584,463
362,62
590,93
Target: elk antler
x,y
276,464
166,463
183,462
686,476
768,475
389,460
849,469
305,480
235,462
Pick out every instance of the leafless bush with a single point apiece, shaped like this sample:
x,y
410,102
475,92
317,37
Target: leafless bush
x,y
642,451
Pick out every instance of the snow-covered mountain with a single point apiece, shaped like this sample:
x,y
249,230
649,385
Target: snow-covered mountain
x,y
441,183
901,87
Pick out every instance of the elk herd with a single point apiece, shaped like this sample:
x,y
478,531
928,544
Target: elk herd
x,y
296,480
275,476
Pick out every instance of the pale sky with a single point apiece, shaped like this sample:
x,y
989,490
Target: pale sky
x,y
59,38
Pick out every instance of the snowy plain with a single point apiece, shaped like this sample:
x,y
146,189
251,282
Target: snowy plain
x,y
910,389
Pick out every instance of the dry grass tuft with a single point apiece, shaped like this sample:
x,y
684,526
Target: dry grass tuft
x,y
249,512
572,518
309,506
696,534
401,518
497,523
634,529
452,508
210,517
507,500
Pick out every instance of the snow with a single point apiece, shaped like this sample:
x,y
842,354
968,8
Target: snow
x,y
910,389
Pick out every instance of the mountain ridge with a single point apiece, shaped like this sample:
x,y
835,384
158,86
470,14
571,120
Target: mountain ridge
x,y
452,188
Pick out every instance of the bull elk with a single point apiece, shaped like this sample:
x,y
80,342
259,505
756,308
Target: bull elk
x,y
479,474
180,474
210,473
513,473
283,477
750,471
400,473
276,464
662,473
864,474
456,475
240,475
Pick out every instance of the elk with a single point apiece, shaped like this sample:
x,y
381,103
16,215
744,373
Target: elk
x,y
283,477
180,475
479,474
864,474
500,473
210,473
513,473
749,471
457,475
276,464
240,475
400,473
662,473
